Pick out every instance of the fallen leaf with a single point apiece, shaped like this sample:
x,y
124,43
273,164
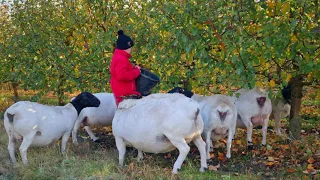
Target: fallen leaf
x,y
131,166
270,159
238,142
214,168
305,172
221,156
311,161
235,149
269,147
285,146
310,167
290,170
269,163
211,155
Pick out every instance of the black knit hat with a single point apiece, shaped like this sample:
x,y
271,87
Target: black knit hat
x,y
124,42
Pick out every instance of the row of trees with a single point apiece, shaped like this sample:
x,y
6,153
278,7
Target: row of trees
x,y
63,46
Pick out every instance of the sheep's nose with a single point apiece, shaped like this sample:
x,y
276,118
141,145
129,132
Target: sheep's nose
x,y
222,115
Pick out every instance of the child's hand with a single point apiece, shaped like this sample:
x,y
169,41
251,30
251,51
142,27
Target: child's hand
x,y
138,67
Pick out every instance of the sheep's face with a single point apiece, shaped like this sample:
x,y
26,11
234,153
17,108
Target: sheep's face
x,y
261,101
223,111
183,91
86,99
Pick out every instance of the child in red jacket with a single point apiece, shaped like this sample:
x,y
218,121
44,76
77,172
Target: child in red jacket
x,y
123,73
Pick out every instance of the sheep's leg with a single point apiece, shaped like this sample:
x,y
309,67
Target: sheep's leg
x,y
64,141
230,136
75,131
201,145
277,119
89,131
264,131
140,155
121,146
208,143
11,149
27,141
211,146
183,148
249,125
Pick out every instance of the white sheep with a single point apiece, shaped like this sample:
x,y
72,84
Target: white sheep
x,y
40,125
219,115
98,116
159,123
280,109
254,108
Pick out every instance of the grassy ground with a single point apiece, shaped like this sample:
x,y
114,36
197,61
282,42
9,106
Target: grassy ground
x,y
280,159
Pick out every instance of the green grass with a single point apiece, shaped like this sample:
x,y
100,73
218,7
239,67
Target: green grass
x,y
90,160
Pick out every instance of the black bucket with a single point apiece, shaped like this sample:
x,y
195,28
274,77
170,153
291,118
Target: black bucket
x,y
146,82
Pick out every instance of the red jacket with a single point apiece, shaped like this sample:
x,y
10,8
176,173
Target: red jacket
x,y
123,75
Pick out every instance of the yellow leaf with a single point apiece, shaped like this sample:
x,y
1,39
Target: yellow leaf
x,y
285,8
270,159
309,76
238,142
183,56
288,77
294,38
269,163
259,84
267,65
272,83
310,167
286,146
271,4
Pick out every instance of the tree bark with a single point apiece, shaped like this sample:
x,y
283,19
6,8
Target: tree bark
x,y
296,98
15,91
60,91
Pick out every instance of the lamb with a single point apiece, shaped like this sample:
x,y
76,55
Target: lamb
x,y
40,125
99,116
159,123
219,115
281,108
254,108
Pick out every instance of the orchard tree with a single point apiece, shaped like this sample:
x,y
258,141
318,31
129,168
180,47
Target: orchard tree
x,y
201,45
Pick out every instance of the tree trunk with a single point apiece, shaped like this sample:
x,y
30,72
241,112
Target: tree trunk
x,y
61,89
15,91
296,97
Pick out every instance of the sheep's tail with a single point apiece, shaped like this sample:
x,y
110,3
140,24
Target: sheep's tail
x,y
196,115
9,114
10,117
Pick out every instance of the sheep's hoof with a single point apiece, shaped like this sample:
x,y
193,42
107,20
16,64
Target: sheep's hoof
x,y
203,169
175,171
263,145
228,156
250,147
139,160
75,143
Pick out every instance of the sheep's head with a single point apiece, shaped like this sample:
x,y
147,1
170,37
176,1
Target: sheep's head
x,y
261,101
183,91
86,99
222,111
